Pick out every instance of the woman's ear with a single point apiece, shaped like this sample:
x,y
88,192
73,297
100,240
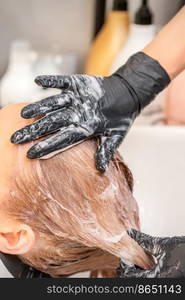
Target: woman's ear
x,y
17,239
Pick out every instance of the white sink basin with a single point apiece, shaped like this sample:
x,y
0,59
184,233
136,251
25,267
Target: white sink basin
x,y
156,157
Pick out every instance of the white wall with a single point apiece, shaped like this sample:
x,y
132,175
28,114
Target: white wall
x,y
68,23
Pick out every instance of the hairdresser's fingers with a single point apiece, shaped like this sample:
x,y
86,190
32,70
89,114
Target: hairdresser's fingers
x,y
60,141
51,123
124,266
106,151
135,273
47,105
166,243
147,242
153,243
54,81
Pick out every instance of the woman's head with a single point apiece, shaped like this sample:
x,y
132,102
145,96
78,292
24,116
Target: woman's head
x,y
61,215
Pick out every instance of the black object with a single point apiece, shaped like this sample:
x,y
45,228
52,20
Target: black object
x,y
92,106
120,5
168,251
18,269
99,15
144,15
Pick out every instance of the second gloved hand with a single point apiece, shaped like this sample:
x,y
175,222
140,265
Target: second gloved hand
x,y
90,106
169,253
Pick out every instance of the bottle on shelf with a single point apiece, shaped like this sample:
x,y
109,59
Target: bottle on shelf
x,y
141,32
109,40
17,84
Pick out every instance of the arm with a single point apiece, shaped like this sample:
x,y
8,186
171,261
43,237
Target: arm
x,y
168,47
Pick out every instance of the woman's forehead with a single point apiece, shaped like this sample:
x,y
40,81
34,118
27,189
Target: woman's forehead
x,y
10,121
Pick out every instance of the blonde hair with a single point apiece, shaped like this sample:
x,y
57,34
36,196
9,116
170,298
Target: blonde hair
x,y
80,217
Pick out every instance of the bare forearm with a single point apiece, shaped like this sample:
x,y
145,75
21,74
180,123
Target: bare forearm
x,y
168,48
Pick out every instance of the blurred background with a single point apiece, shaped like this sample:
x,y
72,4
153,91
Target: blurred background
x,y
63,25
85,36
66,37
96,37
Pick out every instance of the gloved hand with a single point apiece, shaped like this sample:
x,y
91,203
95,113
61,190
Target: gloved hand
x,y
169,253
92,106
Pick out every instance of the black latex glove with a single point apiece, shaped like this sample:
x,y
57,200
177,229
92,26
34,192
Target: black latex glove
x,y
92,106
169,253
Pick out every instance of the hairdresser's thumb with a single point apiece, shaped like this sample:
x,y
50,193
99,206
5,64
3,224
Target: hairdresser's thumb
x,y
106,151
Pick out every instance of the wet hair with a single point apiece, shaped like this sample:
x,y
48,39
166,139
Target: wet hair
x,y
80,216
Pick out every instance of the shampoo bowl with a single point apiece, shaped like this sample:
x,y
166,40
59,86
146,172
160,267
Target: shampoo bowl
x,y
156,156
